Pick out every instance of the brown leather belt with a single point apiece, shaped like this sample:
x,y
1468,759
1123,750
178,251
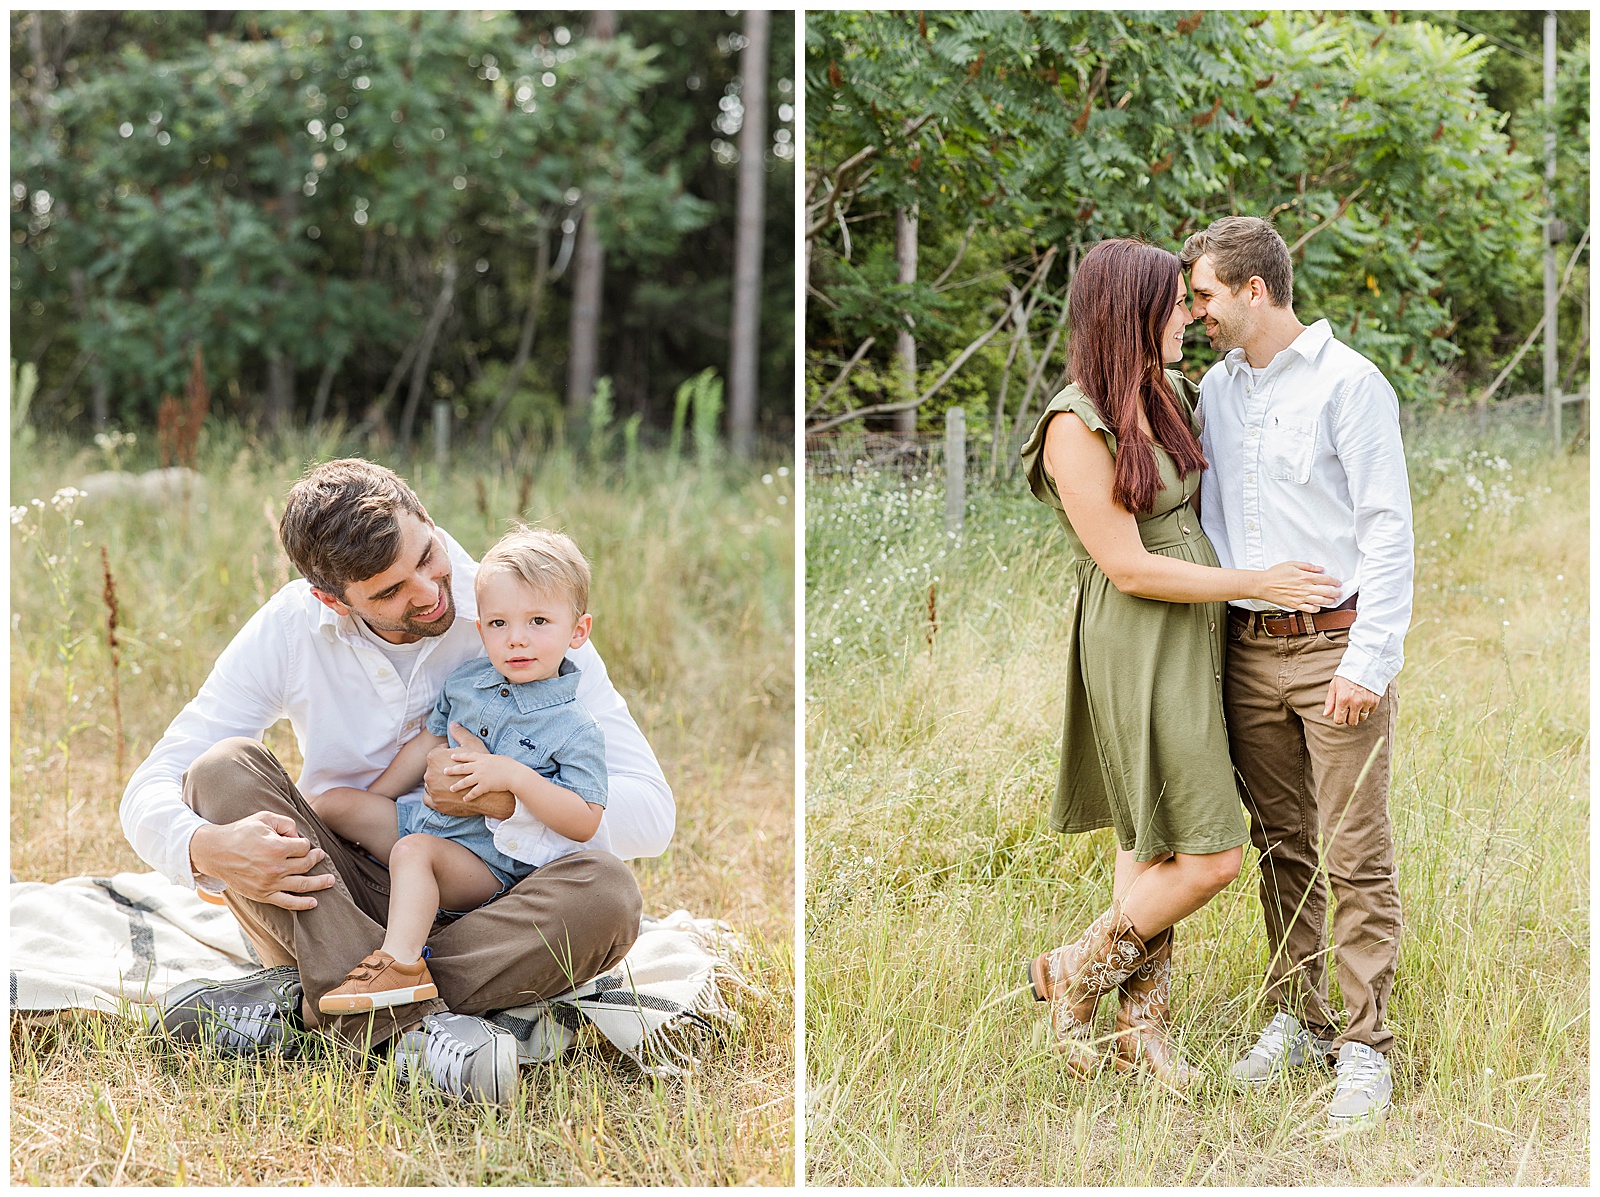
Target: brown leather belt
x,y
1298,623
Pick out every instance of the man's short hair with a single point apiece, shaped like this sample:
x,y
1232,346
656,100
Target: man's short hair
x,y
341,522
1242,247
549,562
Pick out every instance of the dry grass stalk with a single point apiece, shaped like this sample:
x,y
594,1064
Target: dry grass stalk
x,y
109,594
482,494
178,424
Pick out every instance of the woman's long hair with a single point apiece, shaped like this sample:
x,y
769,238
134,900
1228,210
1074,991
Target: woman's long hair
x,y
1121,300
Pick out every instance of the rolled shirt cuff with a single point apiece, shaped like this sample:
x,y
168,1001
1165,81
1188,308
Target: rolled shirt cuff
x,y
1367,671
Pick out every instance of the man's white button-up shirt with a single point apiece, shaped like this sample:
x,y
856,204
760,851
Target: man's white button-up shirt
x,y
296,659
1306,464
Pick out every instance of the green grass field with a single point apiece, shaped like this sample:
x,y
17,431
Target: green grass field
x,y
932,874
693,603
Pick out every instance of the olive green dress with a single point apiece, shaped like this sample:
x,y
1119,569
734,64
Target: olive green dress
x,y
1144,749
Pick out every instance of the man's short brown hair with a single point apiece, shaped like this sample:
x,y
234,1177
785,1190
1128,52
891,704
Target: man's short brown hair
x,y
1242,247
341,522
549,562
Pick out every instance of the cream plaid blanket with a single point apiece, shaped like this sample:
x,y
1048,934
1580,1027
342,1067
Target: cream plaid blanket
x,y
118,944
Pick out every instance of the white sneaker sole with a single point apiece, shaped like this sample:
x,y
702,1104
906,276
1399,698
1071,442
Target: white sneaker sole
x,y
1357,1121
357,1003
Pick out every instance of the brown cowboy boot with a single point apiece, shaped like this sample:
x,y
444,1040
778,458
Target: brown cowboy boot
x,y
1072,978
1143,1043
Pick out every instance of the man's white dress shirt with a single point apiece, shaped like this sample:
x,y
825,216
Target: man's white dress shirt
x,y
1306,464
350,711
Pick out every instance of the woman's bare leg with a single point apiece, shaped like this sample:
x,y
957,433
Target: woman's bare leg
x,y
1156,894
1128,868
425,873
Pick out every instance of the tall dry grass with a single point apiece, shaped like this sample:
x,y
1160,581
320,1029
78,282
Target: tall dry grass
x,y
932,874
693,601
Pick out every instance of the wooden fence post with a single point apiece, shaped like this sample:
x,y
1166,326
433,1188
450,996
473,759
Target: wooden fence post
x,y
441,432
955,470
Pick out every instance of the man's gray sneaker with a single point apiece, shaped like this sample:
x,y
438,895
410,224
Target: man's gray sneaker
x,y
1285,1044
243,1017
1363,1087
465,1056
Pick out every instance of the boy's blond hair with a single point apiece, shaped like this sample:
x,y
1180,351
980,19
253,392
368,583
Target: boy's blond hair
x,y
549,562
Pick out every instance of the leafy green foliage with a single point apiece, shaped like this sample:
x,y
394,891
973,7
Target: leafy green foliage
x,y
1368,141
294,184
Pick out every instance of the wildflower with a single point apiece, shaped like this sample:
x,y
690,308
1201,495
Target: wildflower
x,y
64,498
18,514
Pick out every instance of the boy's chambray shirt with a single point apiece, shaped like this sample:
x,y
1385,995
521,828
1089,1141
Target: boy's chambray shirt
x,y
539,724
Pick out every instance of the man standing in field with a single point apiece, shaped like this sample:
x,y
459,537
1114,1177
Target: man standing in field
x,y
1302,435
354,655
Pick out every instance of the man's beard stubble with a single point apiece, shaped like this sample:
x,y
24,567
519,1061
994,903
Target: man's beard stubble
x,y
1227,335
414,627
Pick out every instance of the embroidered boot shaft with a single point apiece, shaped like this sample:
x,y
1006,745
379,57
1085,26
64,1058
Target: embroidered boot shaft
x,y
1143,1034
1072,978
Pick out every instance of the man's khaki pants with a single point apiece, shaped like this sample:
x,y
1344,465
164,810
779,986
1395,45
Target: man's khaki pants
x,y
1315,828
565,923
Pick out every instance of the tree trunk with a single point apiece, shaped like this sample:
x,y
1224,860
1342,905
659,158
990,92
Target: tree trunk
x,y
99,390
319,405
583,340
419,369
745,331
905,256
279,406
530,323
583,337
279,409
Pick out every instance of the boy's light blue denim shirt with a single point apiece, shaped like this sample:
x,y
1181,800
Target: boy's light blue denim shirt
x,y
541,724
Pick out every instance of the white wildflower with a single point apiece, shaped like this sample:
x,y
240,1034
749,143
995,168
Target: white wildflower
x,y
64,498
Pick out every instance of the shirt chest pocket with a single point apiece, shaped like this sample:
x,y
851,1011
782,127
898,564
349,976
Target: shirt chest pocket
x,y
533,751
1289,446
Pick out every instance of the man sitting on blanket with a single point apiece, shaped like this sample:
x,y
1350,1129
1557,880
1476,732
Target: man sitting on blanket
x,y
354,655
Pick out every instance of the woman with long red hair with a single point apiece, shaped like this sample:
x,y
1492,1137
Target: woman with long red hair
x,y
1144,749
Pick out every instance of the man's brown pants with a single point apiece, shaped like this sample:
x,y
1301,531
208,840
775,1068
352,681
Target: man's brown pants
x,y
567,922
1315,828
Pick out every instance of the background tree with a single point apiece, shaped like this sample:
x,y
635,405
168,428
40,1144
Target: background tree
x,y
745,324
1411,211
357,214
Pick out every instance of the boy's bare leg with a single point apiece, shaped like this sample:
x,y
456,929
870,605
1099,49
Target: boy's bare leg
x,y
238,777
365,819
425,873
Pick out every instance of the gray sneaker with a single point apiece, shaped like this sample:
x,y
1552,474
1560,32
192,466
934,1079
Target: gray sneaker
x,y
465,1056
1363,1087
243,1017
1285,1044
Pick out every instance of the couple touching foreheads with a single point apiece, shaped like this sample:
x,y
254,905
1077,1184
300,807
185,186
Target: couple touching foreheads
x,y
1241,570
